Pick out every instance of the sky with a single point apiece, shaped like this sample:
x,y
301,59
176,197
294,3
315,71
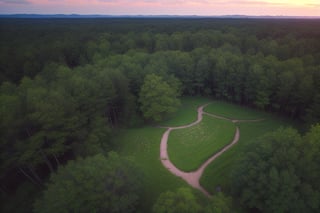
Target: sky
x,y
164,7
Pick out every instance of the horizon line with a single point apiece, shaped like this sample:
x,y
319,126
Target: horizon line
x,y
158,15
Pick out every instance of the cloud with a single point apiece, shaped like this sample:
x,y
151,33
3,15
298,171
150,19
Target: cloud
x,y
175,7
156,1
252,2
314,5
107,0
15,1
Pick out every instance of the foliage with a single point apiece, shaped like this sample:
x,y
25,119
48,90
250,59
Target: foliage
x,y
22,200
183,200
272,67
281,173
59,111
157,98
219,203
93,184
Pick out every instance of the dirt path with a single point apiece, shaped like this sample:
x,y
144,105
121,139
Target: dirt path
x,y
193,178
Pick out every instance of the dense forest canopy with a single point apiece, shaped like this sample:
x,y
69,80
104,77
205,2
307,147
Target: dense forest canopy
x,y
71,41
68,84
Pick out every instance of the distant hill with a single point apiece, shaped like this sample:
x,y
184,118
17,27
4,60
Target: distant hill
x,y
77,16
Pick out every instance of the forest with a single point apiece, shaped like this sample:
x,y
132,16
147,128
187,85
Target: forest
x,y
69,86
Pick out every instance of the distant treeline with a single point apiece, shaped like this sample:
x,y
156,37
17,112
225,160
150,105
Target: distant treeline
x,y
271,64
27,45
67,83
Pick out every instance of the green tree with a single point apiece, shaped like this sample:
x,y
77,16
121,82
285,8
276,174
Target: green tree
x,y
219,203
97,140
93,184
177,202
157,98
281,173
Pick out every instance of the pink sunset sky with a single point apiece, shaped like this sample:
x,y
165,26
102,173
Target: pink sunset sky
x,y
164,7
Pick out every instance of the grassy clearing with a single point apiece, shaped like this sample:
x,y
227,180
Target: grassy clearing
x,y
187,112
233,111
143,145
189,148
219,172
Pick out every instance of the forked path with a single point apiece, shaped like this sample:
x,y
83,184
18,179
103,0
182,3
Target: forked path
x,y
193,178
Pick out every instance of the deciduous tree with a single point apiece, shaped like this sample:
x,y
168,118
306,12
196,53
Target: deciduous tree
x,y
157,98
219,203
93,184
281,173
183,200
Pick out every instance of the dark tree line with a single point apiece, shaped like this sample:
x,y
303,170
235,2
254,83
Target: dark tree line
x,y
94,184
27,45
59,110
280,173
290,87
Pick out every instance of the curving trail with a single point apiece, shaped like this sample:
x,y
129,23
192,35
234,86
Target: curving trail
x,y
192,178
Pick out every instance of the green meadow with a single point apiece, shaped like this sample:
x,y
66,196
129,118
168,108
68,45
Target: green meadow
x,y
143,146
233,111
187,112
189,148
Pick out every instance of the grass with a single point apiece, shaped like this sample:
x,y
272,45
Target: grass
x,y
233,111
143,146
189,148
219,172
187,112
200,142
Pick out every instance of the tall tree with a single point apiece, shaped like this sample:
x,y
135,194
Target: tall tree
x,y
183,200
219,203
93,184
281,173
157,98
